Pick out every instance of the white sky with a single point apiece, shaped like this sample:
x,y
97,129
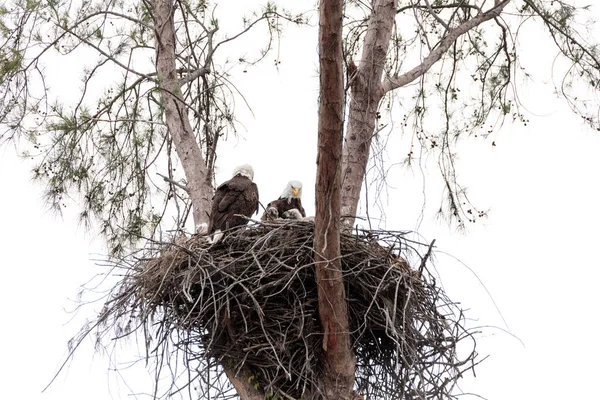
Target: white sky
x,y
534,253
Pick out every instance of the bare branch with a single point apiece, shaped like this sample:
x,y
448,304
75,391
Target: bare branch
x,y
193,75
173,182
105,54
391,83
462,4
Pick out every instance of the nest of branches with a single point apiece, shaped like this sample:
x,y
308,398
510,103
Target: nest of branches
x,y
249,305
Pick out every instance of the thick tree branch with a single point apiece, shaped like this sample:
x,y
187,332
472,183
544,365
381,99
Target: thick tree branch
x,y
395,82
193,75
365,95
338,374
176,115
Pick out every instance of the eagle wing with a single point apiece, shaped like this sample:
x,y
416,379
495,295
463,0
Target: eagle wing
x,y
239,195
230,193
247,201
300,208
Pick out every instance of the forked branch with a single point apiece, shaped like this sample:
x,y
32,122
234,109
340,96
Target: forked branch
x,y
394,82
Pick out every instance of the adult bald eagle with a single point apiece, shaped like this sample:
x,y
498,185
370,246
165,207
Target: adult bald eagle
x,y
288,205
234,199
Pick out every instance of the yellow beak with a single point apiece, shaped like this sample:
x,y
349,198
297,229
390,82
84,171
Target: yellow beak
x,y
296,192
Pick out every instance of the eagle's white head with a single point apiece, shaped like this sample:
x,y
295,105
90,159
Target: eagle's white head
x,y
293,190
244,170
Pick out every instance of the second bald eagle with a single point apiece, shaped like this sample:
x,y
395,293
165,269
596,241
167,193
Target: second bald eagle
x,y
288,205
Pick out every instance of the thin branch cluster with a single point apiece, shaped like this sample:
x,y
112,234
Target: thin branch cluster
x,y
250,301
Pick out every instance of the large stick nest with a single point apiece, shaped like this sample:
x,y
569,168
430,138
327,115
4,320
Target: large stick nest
x,y
250,303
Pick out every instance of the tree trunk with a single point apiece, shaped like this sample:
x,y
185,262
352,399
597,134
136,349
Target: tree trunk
x,y
365,94
242,384
176,114
338,376
187,148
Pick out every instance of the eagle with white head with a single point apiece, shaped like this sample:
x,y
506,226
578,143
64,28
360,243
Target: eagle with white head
x,y
288,205
234,201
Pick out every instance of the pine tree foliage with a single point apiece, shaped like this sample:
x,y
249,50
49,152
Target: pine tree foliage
x,y
104,147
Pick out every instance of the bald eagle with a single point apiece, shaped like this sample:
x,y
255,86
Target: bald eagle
x,y
234,199
288,205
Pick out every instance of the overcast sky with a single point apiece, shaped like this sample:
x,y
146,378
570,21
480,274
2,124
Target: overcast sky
x,y
527,272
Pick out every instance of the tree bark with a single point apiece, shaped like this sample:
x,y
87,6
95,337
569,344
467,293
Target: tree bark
x,y
242,384
176,114
365,94
338,376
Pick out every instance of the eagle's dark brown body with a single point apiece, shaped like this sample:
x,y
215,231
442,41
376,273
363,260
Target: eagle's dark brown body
x,y
239,195
282,205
